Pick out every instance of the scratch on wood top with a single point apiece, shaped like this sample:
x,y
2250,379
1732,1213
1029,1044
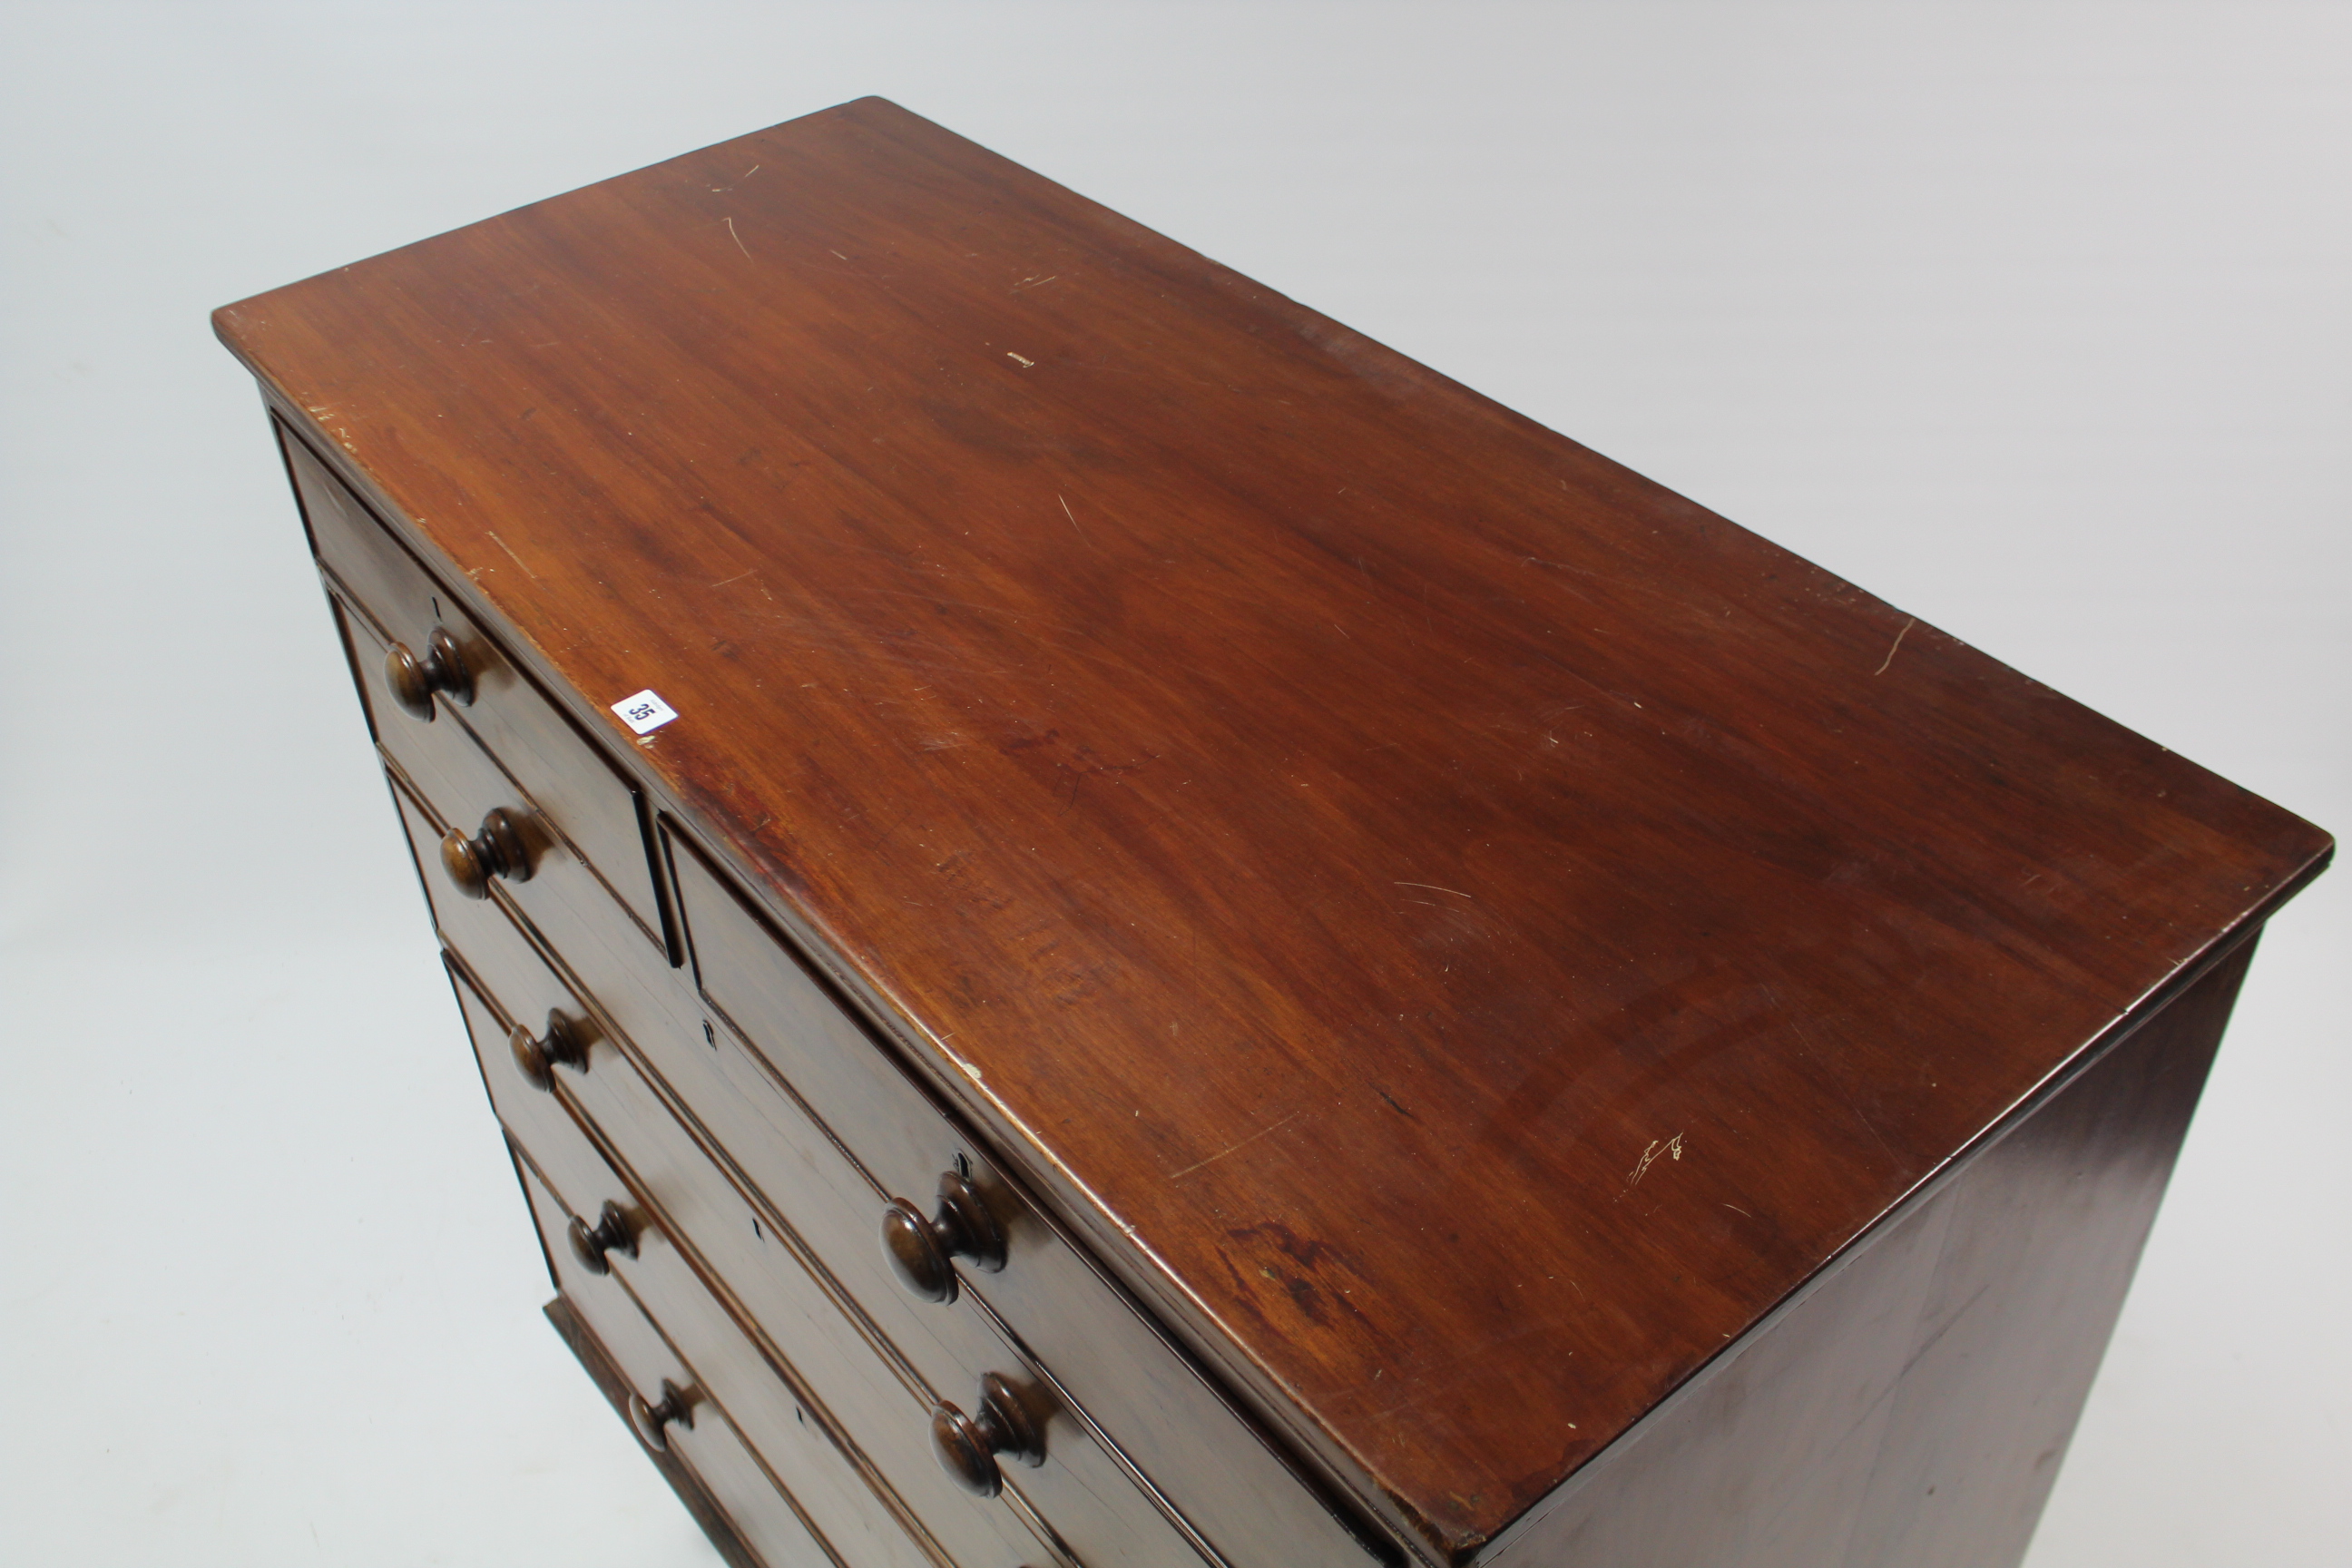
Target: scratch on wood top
x,y
1242,1144
1673,1145
518,559
1908,622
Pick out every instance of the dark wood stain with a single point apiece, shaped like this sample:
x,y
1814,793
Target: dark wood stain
x,y
1204,734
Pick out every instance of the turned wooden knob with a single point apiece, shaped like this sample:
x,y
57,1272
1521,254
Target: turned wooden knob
x,y
535,1056
498,851
414,680
611,1233
677,1404
921,1249
966,1445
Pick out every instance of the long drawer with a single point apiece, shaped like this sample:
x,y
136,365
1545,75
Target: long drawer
x,y
680,1211
760,1511
790,1425
784,1059
468,683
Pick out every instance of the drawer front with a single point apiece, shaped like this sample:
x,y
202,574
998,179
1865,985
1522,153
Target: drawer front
x,y
398,601
845,1386
830,1477
808,1062
762,1513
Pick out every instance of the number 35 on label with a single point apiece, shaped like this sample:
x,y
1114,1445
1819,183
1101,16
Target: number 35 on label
x,y
645,713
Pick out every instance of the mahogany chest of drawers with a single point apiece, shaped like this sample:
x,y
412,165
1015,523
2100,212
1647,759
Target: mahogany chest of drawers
x,y
1112,926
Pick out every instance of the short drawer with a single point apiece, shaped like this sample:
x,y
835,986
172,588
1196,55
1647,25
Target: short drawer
x,y
818,1369
809,1062
760,1513
398,601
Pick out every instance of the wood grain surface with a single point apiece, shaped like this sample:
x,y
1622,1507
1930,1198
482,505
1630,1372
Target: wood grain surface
x,y
1462,930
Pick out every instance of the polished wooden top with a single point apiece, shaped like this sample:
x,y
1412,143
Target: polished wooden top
x,y
1453,920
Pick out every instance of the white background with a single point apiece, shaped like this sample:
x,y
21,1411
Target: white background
x,y
2031,318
